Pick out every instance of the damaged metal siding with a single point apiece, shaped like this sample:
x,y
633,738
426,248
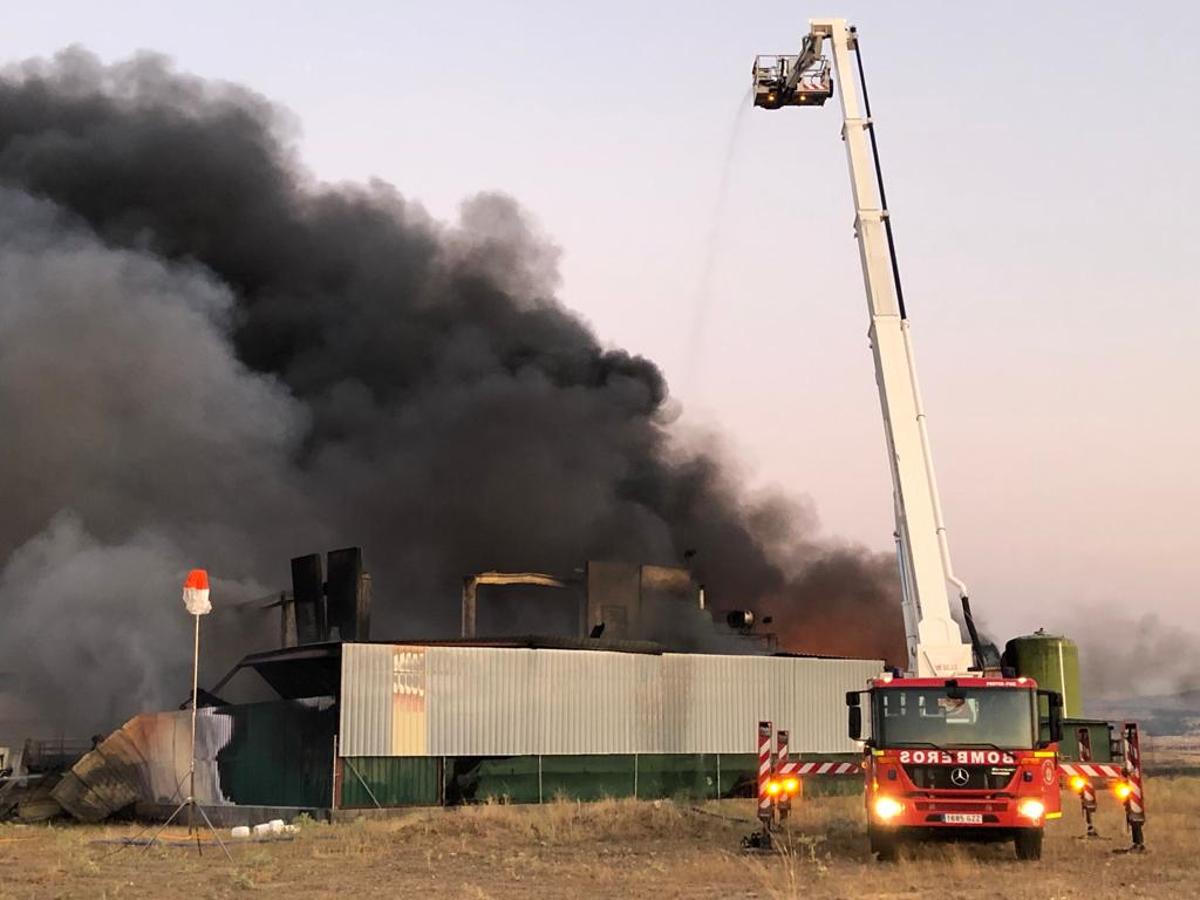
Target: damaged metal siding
x,y
277,753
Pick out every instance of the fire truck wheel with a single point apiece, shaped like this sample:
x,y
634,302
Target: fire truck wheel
x,y
884,844
1029,843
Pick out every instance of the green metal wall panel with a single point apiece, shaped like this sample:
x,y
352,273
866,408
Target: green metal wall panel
x,y
739,774
478,779
415,781
588,777
390,781
1098,731
279,754
684,776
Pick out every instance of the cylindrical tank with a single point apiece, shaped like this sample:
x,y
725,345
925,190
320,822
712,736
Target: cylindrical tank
x,y
1053,662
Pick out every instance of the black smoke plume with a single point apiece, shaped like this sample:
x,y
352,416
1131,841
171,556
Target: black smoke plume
x,y
209,358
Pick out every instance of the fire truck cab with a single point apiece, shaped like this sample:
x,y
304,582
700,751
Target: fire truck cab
x,y
970,758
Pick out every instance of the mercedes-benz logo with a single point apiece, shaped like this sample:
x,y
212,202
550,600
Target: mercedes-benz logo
x,y
960,776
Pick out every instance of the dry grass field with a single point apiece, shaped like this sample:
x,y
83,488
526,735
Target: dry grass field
x,y
1173,754
608,850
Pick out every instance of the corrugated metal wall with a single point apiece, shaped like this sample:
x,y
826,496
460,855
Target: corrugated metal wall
x,y
365,717
499,702
708,700
485,701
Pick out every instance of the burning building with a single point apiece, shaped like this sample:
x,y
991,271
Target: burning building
x,y
358,724
208,357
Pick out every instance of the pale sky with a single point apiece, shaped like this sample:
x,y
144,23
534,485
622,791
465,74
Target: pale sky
x,y
1041,165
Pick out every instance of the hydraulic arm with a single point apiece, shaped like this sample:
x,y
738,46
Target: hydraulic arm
x,y
935,644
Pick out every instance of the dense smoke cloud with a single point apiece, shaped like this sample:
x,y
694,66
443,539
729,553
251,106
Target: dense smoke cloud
x,y
206,357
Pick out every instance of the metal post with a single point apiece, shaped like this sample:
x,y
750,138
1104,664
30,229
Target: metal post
x,y
782,770
540,778
195,599
766,813
1087,796
192,768
470,586
1135,803
333,783
635,776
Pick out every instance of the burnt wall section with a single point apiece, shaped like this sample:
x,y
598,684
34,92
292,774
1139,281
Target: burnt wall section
x,y
278,753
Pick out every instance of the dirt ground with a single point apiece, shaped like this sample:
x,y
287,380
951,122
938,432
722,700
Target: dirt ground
x,y
607,850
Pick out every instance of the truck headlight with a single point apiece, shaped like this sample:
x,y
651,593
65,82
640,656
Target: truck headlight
x,y
888,808
1031,809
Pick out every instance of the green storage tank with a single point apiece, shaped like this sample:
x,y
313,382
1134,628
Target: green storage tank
x,y
1053,662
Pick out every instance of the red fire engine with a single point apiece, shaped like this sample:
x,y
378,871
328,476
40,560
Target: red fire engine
x,y
960,758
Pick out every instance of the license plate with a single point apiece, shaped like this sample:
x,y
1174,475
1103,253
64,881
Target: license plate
x,y
963,818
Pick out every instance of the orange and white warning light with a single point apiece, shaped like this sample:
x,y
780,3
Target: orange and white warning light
x,y
195,593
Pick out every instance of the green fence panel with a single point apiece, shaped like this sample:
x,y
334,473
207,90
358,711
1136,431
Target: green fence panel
x,y
390,781
683,776
739,774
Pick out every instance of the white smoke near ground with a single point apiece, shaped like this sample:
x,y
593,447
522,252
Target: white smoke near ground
x,y
97,630
1134,656
125,409
78,609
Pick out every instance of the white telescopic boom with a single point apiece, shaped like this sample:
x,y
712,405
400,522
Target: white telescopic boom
x,y
935,644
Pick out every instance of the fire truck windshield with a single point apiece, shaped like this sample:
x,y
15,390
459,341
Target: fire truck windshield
x,y
1005,718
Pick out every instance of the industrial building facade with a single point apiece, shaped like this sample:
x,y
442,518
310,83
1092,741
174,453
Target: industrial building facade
x,y
426,724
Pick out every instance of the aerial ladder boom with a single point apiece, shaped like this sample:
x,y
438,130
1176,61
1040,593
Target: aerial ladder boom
x,y
934,640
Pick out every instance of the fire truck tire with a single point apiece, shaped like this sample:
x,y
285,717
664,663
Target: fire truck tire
x,y
1029,843
884,844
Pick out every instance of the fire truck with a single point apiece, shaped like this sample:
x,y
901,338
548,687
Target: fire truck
x,y
956,747
961,758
